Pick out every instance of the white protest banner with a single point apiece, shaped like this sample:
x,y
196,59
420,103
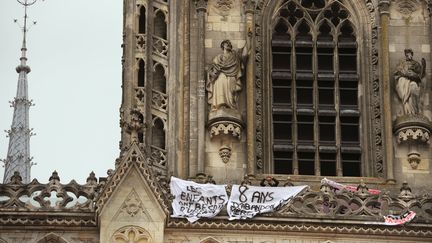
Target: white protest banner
x,y
248,201
194,201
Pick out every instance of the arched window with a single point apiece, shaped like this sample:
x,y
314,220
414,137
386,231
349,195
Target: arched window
x,y
142,20
141,73
159,79
160,26
158,133
314,90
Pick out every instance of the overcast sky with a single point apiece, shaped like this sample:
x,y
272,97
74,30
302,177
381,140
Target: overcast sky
x,y
75,56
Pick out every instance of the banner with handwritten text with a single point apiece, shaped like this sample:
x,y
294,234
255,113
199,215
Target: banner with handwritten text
x,y
248,201
194,201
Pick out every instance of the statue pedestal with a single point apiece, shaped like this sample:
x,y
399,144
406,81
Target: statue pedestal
x,y
413,130
225,121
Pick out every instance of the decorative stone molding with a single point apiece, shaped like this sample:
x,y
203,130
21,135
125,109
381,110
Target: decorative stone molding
x,y
155,180
407,7
132,205
131,234
225,153
225,127
201,5
414,131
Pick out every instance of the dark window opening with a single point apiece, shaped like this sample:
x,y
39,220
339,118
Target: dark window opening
x,y
282,94
326,93
304,59
282,61
282,127
305,129
158,134
328,164
348,60
306,163
283,162
349,130
351,164
325,60
142,21
327,129
160,27
304,92
141,73
159,80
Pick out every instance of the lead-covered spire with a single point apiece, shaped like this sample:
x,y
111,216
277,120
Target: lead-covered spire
x,y
18,156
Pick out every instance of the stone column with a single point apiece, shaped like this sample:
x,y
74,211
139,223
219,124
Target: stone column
x,y
249,6
201,8
383,7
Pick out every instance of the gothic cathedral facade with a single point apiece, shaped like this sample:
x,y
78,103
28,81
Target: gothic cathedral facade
x,y
265,93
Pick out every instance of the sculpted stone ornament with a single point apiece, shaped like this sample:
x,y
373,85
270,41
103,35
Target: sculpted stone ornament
x,y
411,127
408,76
223,86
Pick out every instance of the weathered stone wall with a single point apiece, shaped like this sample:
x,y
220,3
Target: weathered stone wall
x,y
41,236
410,28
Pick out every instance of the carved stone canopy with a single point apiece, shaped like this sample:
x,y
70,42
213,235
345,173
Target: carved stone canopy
x,y
225,121
413,129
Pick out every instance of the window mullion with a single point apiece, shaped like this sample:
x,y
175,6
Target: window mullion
x,y
339,171
294,106
315,105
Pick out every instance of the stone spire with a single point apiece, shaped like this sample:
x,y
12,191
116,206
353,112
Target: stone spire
x,y
18,156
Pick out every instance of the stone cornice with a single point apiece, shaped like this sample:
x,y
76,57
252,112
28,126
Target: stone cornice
x,y
315,226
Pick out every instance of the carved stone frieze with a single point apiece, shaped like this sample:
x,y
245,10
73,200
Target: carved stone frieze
x,y
407,7
225,127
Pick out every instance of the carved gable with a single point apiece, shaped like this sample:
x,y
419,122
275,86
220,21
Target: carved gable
x,y
129,200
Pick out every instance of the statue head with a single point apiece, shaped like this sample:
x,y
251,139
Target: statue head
x,y
226,44
409,54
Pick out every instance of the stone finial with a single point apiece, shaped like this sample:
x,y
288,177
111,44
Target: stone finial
x,y
91,179
54,177
16,178
326,188
362,190
405,192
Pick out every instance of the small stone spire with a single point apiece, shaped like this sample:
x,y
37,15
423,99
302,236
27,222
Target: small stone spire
x,y
18,157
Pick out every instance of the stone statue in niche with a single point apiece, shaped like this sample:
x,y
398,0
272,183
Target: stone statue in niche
x,y
408,76
224,76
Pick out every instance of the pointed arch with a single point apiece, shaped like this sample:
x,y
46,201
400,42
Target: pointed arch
x,y
142,22
160,25
314,70
159,78
141,73
52,238
209,239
